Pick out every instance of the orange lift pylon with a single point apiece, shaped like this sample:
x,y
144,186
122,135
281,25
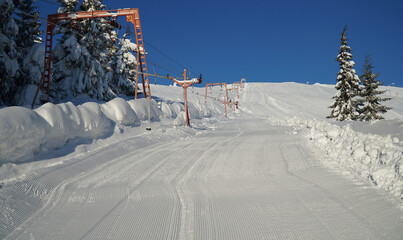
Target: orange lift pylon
x,y
132,15
185,83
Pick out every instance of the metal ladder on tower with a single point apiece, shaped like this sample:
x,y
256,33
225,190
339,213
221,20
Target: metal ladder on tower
x,y
142,57
44,84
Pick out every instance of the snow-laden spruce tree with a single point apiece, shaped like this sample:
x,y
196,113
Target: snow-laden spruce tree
x,y
371,99
124,78
9,67
28,24
346,105
68,56
29,43
81,63
98,35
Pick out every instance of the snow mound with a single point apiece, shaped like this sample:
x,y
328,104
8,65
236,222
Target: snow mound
x,y
378,159
140,107
22,132
120,111
25,132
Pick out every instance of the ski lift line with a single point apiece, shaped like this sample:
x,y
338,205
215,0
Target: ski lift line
x,y
153,75
166,55
198,93
165,67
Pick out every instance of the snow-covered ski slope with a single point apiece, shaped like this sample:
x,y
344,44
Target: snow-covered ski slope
x,y
275,169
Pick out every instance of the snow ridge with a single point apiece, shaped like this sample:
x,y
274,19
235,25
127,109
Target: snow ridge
x,y
375,158
25,132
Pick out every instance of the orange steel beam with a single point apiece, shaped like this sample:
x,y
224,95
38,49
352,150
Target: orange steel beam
x,y
132,15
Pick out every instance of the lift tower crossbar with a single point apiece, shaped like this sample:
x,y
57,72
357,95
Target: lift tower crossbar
x,y
132,15
185,83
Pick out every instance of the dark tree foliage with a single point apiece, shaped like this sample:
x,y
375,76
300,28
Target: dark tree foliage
x,y
28,36
9,67
372,108
28,25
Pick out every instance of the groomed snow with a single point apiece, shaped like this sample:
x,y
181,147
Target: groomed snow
x,y
45,152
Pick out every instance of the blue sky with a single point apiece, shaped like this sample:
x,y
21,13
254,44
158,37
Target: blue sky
x,y
268,41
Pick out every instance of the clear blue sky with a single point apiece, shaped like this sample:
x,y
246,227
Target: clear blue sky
x,y
268,41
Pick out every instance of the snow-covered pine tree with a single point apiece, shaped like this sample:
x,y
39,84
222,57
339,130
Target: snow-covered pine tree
x,y
371,99
125,62
9,67
82,58
28,24
67,6
29,43
97,39
67,58
345,106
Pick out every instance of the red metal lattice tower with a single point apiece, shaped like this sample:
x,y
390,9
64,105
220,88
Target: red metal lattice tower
x,y
132,15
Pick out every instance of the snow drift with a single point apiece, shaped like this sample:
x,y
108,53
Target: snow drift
x,y
25,132
376,158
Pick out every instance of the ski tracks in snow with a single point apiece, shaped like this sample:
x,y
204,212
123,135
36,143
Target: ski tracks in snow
x,y
247,180
183,190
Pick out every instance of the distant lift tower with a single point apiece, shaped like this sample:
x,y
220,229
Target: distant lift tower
x,y
132,15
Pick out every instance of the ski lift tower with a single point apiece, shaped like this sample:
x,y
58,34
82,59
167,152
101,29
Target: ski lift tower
x,y
185,83
132,15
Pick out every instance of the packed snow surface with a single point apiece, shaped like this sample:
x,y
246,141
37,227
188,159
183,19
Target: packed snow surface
x,y
276,168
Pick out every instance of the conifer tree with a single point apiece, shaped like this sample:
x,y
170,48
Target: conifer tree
x,y
82,58
68,56
372,108
345,106
9,67
29,43
28,25
98,40
125,67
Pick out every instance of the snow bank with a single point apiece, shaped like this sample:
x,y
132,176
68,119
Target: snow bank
x,y
22,133
25,132
140,106
120,111
376,158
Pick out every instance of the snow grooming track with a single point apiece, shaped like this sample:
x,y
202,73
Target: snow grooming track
x,y
62,195
131,187
74,171
187,205
361,213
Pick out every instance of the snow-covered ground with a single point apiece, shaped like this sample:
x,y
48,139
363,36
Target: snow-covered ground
x,y
274,169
